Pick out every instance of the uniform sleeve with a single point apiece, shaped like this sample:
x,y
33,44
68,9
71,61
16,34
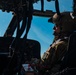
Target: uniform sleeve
x,y
60,50
47,56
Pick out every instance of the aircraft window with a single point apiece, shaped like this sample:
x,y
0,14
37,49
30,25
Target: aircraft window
x,y
40,29
5,19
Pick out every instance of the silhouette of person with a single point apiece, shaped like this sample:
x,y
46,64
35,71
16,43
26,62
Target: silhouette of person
x,y
52,59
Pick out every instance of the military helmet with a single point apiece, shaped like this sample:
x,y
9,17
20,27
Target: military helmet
x,y
65,20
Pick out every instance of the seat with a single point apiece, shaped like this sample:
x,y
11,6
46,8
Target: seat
x,y
69,62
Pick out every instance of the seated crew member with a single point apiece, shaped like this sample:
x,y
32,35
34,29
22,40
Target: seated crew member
x,y
52,58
